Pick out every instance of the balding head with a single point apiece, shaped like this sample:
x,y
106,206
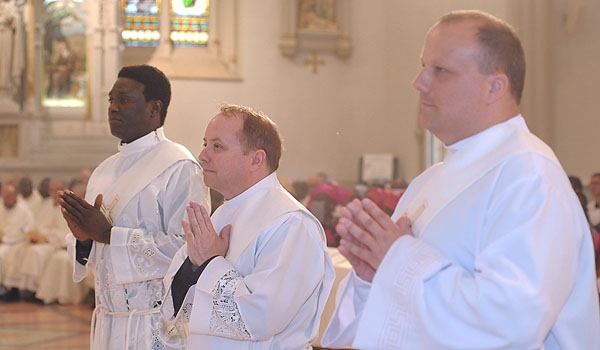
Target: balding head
x,y
9,195
501,49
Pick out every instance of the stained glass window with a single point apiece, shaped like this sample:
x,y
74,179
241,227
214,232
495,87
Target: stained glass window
x,y
189,22
141,22
185,28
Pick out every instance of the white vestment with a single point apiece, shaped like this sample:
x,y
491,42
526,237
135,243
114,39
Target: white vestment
x,y
14,224
271,288
501,257
55,282
35,202
50,225
145,236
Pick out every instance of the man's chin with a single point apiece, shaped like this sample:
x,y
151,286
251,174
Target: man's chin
x,y
115,132
209,182
425,120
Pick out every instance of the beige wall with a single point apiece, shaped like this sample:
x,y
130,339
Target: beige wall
x,y
576,79
366,104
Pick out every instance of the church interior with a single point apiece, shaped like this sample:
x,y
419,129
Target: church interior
x,y
339,87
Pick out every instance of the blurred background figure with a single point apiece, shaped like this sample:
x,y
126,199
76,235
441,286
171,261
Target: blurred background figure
x,y
325,198
56,282
15,221
29,194
593,207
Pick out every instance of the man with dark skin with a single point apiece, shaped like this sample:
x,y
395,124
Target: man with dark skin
x,y
133,229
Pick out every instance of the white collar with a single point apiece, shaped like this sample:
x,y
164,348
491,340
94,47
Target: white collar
x,y
268,181
518,121
149,140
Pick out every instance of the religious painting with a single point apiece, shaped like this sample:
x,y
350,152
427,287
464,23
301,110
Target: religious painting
x,y
316,26
64,54
317,15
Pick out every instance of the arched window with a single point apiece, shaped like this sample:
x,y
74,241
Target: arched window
x,y
185,38
188,22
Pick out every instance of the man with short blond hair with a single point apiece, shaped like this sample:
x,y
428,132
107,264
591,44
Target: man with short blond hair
x,y
488,249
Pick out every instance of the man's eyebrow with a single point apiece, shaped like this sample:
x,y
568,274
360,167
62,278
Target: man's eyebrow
x,y
213,139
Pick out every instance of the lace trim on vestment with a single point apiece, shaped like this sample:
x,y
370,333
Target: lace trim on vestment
x,y
226,318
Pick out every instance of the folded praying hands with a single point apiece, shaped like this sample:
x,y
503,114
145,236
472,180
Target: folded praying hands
x,y
367,234
202,239
85,221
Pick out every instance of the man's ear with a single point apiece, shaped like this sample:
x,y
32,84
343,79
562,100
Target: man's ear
x,y
156,106
259,156
498,87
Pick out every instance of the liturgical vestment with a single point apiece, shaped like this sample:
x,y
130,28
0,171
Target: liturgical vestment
x,y
145,236
14,225
270,289
501,257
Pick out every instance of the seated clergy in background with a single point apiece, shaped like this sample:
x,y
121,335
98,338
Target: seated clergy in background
x,y
15,221
56,281
31,196
47,236
488,249
257,274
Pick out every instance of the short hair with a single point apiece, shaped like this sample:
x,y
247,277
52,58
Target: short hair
x,y
25,186
258,132
44,187
500,45
156,84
